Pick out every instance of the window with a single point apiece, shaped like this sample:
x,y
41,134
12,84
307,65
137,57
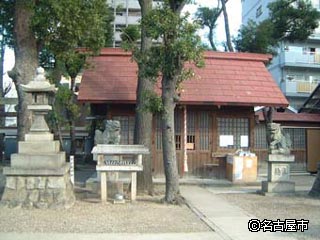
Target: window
x,y
309,50
177,129
191,130
204,130
126,128
260,137
198,131
134,12
297,137
233,133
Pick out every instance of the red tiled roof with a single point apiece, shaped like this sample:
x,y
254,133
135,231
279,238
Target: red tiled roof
x,y
292,117
227,79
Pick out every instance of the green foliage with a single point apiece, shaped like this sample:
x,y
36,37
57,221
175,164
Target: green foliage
x,y
68,31
65,105
6,22
289,20
64,109
152,102
256,38
293,20
207,17
74,62
61,25
179,43
130,34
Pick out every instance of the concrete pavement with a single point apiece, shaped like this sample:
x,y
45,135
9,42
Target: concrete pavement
x,y
115,236
228,221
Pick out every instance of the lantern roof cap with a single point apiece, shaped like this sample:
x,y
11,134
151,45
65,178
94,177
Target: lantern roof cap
x,y
39,84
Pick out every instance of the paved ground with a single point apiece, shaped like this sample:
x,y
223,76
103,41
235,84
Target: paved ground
x,y
228,209
219,204
124,236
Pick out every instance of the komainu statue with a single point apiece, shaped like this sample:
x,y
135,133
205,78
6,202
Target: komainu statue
x,y
279,144
110,135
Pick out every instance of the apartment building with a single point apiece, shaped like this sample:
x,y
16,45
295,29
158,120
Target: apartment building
x,y
296,68
126,12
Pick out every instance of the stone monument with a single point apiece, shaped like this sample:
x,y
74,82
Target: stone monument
x,y
279,160
39,175
110,135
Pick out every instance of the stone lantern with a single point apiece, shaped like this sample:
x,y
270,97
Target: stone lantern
x,y
39,174
40,89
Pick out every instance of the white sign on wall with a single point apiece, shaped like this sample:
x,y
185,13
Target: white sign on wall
x,y
226,140
244,141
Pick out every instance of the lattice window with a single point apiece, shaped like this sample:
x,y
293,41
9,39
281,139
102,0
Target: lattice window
x,y
204,130
297,137
260,137
233,132
177,129
126,128
191,130
198,130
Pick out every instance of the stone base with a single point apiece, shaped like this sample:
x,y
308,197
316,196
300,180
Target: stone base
x,y
277,187
38,192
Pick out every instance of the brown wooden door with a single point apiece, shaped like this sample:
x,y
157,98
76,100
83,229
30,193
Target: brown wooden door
x,y
199,141
313,149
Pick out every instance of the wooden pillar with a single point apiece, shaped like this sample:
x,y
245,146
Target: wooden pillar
x,y
185,155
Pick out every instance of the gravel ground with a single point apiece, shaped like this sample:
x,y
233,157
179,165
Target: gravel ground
x,y
88,215
298,206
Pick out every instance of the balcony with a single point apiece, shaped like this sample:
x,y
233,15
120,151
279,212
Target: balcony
x,y
300,87
124,20
124,4
300,59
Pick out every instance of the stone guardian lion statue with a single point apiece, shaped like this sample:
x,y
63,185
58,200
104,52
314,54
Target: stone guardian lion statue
x,y
279,144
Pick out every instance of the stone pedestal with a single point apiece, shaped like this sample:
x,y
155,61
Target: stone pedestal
x,y
39,175
278,175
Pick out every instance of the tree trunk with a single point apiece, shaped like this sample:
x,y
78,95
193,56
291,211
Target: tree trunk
x,y
168,141
315,190
2,118
143,119
72,137
226,25
267,115
71,119
26,61
210,36
2,46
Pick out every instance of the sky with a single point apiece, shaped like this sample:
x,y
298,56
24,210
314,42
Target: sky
x,y
234,15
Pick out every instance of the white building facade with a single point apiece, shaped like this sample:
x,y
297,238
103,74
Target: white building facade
x,y
296,68
126,12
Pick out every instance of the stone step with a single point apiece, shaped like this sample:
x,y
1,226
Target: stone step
x,y
38,161
39,147
38,137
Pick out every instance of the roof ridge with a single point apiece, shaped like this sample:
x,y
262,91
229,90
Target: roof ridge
x,y
114,52
238,56
207,54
